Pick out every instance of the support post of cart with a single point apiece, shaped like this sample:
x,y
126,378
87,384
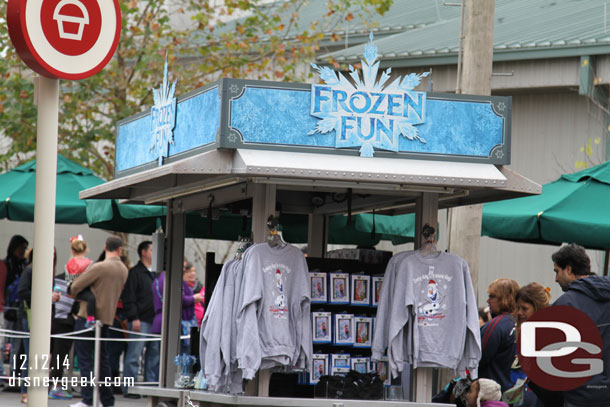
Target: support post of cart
x,y
426,212
172,294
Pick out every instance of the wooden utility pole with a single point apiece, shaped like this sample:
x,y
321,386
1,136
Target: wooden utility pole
x,y
465,221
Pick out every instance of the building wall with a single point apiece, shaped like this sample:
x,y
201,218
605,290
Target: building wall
x,y
548,131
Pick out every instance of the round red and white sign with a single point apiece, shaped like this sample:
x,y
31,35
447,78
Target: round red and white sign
x,y
68,39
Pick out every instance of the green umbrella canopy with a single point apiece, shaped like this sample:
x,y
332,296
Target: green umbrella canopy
x,y
399,229
109,215
18,186
575,208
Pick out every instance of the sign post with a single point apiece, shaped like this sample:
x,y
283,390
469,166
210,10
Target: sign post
x,y
58,39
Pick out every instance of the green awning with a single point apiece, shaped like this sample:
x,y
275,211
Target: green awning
x,y
575,208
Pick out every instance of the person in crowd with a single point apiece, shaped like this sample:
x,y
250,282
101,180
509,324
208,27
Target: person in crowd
x,y
140,312
188,309
486,393
11,268
118,348
189,319
530,299
590,294
106,280
25,294
190,276
483,316
498,335
62,323
75,267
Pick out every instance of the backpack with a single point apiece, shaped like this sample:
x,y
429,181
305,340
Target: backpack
x,y
11,298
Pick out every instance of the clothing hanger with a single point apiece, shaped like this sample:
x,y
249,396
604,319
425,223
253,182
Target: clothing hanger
x,y
244,243
428,241
274,239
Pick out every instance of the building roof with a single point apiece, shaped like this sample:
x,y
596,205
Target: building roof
x,y
402,15
523,29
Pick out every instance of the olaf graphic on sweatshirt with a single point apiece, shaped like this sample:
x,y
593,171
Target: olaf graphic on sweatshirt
x,y
430,308
279,307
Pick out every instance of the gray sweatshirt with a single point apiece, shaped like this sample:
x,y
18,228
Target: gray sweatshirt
x,y
382,321
438,298
212,359
273,322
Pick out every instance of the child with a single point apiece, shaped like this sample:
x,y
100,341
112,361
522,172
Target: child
x,y
76,266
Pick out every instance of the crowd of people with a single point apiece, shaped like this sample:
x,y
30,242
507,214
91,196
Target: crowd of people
x,y
127,301
511,305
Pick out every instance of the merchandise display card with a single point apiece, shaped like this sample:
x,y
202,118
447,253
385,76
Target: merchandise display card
x,y
377,282
339,288
321,323
361,365
360,290
363,328
343,329
319,367
319,287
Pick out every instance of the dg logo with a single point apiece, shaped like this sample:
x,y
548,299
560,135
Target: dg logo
x,y
560,348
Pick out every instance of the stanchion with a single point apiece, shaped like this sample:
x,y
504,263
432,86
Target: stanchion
x,y
96,363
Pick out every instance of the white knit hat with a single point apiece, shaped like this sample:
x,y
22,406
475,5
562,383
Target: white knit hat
x,y
488,390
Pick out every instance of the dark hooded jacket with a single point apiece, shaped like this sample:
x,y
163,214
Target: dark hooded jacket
x,y
591,295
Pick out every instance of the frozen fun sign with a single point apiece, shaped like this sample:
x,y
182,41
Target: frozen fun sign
x,y
367,113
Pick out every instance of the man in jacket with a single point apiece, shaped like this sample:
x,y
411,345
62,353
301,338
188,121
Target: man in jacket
x,y
140,312
106,280
590,294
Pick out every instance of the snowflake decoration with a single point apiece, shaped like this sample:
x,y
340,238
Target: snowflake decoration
x,y
234,88
501,106
499,154
367,82
163,114
232,138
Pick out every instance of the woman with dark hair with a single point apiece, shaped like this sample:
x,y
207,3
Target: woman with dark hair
x,y
498,335
11,268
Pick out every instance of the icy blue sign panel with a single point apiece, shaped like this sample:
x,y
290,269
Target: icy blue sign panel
x,y
366,112
163,115
435,126
362,112
196,128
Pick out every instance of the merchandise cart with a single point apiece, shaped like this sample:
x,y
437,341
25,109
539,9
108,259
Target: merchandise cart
x,y
263,148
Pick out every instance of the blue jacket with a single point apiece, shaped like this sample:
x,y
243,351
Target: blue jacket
x,y
498,350
591,295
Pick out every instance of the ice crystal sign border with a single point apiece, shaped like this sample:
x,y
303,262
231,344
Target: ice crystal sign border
x,y
163,117
366,112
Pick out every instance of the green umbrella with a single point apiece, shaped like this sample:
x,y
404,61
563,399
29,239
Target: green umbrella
x,y
399,229
18,186
575,208
108,214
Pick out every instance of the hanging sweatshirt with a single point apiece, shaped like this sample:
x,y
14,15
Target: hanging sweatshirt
x,y
382,320
273,322
211,357
440,302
